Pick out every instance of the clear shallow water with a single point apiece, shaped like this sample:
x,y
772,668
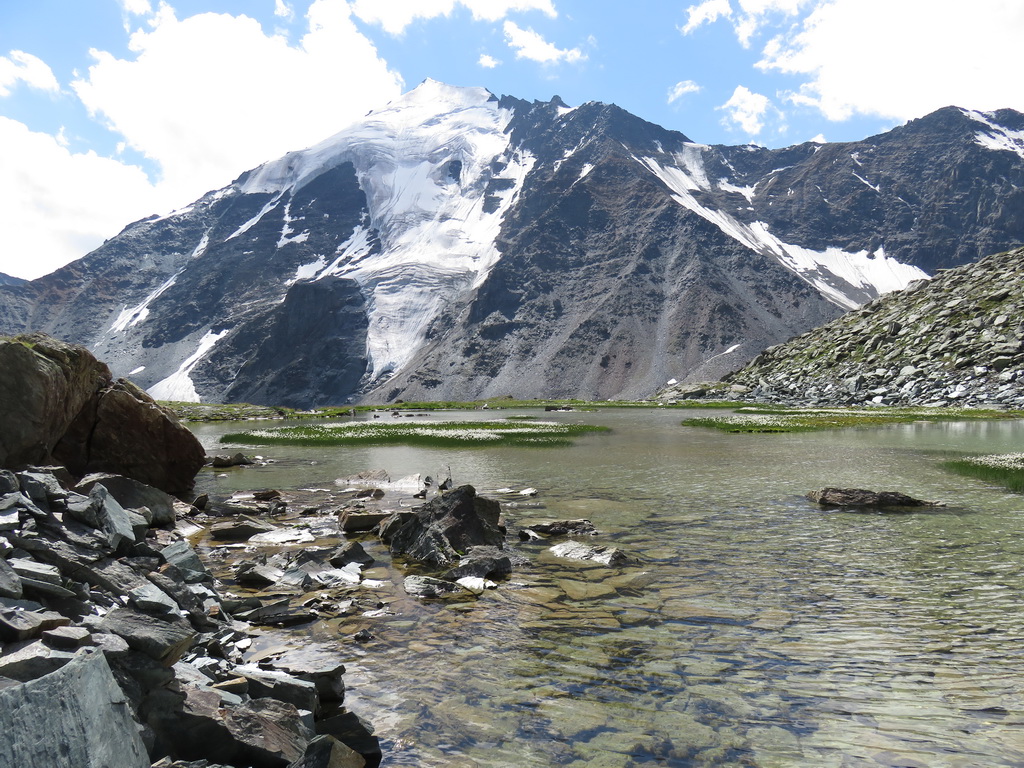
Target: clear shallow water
x,y
757,630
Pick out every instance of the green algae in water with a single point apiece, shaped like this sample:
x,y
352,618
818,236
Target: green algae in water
x,y
437,434
1005,469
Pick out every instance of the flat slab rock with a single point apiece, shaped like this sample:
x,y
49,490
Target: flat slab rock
x,y
574,550
858,497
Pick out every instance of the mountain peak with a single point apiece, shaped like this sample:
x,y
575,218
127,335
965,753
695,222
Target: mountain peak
x,y
438,97
453,246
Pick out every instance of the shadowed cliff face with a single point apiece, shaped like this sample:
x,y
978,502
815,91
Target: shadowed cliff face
x,y
456,246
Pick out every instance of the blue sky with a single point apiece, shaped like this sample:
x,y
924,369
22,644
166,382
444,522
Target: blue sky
x,y
111,110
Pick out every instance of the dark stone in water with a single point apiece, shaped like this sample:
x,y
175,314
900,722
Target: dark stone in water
x,y
447,526
427,586
352,730
241,529
237,460
350,552
563,528
858,497
482,568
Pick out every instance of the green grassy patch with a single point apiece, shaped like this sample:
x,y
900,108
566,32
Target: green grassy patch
x,y
1006,469
438,434
781,419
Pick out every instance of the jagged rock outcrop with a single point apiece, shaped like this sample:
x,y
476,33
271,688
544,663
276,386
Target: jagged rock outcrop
x,y
454,245
60,405
957,339
74,716
446,527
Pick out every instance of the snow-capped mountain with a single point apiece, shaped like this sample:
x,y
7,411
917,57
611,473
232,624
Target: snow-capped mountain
x,y
454,245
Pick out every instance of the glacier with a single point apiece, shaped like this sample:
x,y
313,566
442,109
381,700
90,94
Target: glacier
x,y
425,162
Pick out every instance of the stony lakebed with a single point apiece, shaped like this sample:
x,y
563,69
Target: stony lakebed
x,y
712,615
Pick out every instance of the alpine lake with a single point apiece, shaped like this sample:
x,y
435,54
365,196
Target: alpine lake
x,y
754,629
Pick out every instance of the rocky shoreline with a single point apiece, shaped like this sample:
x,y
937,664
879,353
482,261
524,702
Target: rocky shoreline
x,y
173,608
104,568
159,623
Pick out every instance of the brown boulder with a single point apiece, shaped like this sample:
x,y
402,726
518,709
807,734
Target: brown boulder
x,y
44,384
60,404
861,498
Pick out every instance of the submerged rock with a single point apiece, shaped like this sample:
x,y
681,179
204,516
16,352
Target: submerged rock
x,y
858,497
427,586
560,528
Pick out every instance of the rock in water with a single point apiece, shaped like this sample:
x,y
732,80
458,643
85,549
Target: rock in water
x,y
428,586
574,550
59,404
447,526
858,497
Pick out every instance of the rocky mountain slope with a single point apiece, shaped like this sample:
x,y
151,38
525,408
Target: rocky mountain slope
x,y
957,339
10,280
454,245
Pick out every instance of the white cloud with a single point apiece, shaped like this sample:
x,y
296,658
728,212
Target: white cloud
x,y
283,11
680,89
205,98
487,62
707,12
752,16
20,67
902,60
528,44
56,205
395,15
210,96
746,109
137,7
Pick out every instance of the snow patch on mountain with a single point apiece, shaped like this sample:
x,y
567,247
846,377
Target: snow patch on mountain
x,y
178,386
865,181
842,277
997,137
200,249
726,186
271,205
135,315
425,162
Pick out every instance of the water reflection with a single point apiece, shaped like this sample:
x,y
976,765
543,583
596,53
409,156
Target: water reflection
x,y
758,629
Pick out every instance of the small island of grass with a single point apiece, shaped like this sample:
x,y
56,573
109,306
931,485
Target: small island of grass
x,y
782,419
436,434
